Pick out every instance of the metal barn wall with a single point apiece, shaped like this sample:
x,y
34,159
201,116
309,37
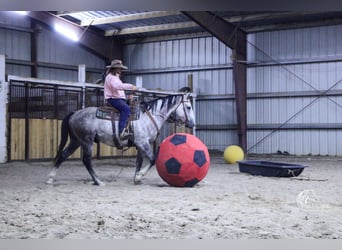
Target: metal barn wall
x,y
169,65
55,49
289,73
15,43
58,58
295,91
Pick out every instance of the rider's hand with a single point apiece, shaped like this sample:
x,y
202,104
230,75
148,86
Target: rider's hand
x,y
134,87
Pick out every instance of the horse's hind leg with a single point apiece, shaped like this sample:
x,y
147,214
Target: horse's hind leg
x,y
86,159
69,150
62,156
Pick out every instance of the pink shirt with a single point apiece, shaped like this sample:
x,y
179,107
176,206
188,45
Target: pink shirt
x,y
114,87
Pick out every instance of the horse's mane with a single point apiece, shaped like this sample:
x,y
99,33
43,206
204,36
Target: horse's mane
x,y
167,102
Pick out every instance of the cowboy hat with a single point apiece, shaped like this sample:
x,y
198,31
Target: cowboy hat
x,y
117,64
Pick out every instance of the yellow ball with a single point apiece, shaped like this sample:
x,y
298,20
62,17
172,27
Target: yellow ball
x,y
232,154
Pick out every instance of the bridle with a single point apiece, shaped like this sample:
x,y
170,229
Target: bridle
x,y
173,116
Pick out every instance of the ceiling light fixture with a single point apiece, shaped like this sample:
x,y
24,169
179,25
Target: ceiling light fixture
x,y
24,13
66,32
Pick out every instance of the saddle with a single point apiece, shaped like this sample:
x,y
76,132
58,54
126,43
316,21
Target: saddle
x,y
108,112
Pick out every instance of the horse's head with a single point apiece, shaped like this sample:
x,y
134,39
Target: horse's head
x,y
184,114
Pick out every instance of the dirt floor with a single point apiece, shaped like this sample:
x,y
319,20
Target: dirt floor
x,y
227,204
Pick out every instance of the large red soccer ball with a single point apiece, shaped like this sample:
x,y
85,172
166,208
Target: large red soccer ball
x,y
182,160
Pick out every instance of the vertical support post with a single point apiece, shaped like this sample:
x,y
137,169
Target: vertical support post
x,y
27,122
81,79
3,111
191,86
139,81
240,81
34,60
236,39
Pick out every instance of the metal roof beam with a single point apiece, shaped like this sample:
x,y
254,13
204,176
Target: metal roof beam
x,y
228,33
151,28
125,18
192,24
65,13
236,39
102,46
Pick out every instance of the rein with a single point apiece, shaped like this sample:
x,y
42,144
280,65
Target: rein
x,y
171,118
153,121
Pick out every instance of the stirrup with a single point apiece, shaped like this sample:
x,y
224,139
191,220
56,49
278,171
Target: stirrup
x,y
125,134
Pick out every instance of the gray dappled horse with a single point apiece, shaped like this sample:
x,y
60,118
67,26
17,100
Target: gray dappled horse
x,y
84,128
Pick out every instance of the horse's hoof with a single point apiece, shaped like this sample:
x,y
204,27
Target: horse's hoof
x,y
137,182
137,179
100,184
49,181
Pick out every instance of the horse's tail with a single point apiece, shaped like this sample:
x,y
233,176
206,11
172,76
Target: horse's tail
x,y
64,136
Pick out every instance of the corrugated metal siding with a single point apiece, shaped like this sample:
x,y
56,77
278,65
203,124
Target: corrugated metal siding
x,y
215,113
13,19
311,61
58,74
52,48
218,140
24,71
298,142
193,52
289,63
298,44
15,45
178,55
167,65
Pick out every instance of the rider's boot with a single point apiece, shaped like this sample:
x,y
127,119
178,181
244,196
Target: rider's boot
x,y
125,134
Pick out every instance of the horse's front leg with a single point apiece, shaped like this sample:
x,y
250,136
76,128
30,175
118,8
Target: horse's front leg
x,y
144,150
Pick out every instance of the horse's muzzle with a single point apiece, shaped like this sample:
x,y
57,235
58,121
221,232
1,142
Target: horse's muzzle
x,y
190,124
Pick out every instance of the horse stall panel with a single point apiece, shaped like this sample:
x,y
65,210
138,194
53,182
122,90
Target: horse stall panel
x,y
76,154
44,139
34,110
41,107
17,140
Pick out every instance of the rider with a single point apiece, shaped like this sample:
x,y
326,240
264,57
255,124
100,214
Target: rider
x,y
114,94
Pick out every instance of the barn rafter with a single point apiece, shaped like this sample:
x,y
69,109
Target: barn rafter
x,y
105,47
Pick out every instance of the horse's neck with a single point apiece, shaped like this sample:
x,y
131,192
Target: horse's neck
x,y
163,109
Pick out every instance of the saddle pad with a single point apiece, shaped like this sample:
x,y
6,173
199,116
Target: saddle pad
x,y
107,113
111,113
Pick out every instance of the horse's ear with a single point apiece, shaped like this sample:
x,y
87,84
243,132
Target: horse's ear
x,y
185,89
